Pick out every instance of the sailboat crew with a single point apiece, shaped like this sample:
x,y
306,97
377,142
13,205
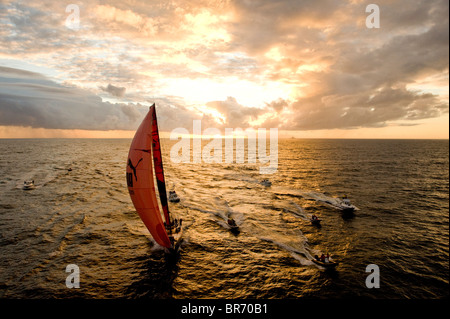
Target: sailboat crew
x,y
176,224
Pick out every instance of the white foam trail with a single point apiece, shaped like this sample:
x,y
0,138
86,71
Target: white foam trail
x,y
283,246
304,255
218,214
222,211
41,175
319,197
304,261
300,212
156,247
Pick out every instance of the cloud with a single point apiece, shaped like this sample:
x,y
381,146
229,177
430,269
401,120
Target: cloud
x,y
234,114
328,69
278,105
30,99
116,91
353,111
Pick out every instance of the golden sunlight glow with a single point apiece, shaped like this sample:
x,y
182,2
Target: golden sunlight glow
x,y
248,93
216,115
437,84
274,54
205,27
311,67
109,13
261,119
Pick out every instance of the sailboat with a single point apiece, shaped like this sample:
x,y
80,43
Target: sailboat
x,y
143,157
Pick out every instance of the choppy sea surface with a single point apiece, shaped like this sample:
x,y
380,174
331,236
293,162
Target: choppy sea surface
x,y
85,217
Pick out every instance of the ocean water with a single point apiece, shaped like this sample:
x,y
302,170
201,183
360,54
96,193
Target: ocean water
x,y
85,217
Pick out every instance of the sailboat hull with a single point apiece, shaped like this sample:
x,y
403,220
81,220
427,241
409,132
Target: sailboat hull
x,y
176,240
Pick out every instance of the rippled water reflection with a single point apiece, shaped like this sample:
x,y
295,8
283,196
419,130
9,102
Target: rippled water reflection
x,y
86,217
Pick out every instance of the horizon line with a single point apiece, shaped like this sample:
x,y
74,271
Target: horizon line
x,y
234,137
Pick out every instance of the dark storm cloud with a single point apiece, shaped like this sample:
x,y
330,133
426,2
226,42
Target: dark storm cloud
x,y
29,99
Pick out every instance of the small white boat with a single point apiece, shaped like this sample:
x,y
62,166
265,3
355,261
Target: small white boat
x,y
173,197
27,185
342,203
346,205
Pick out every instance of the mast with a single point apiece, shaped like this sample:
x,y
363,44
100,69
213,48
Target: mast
x,y
159,171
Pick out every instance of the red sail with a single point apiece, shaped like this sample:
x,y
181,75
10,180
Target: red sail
x,y
140,182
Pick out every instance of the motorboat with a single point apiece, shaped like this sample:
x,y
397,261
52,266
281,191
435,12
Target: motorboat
x,y
342,204
315,220
345,204
329,264
232,224
266,183
173,197
27,185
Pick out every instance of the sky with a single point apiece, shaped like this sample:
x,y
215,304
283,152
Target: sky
x,y
312,69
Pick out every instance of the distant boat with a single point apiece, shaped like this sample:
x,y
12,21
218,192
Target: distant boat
x,y
165,229
315,220
27,185
345,204
266,182
342,204
173,197
326,264
233,226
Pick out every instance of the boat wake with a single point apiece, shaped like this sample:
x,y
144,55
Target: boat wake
x,y
300,254
220,209
297,211
41,175
315,196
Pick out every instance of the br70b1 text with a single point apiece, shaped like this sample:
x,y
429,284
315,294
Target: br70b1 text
x,y
245,308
